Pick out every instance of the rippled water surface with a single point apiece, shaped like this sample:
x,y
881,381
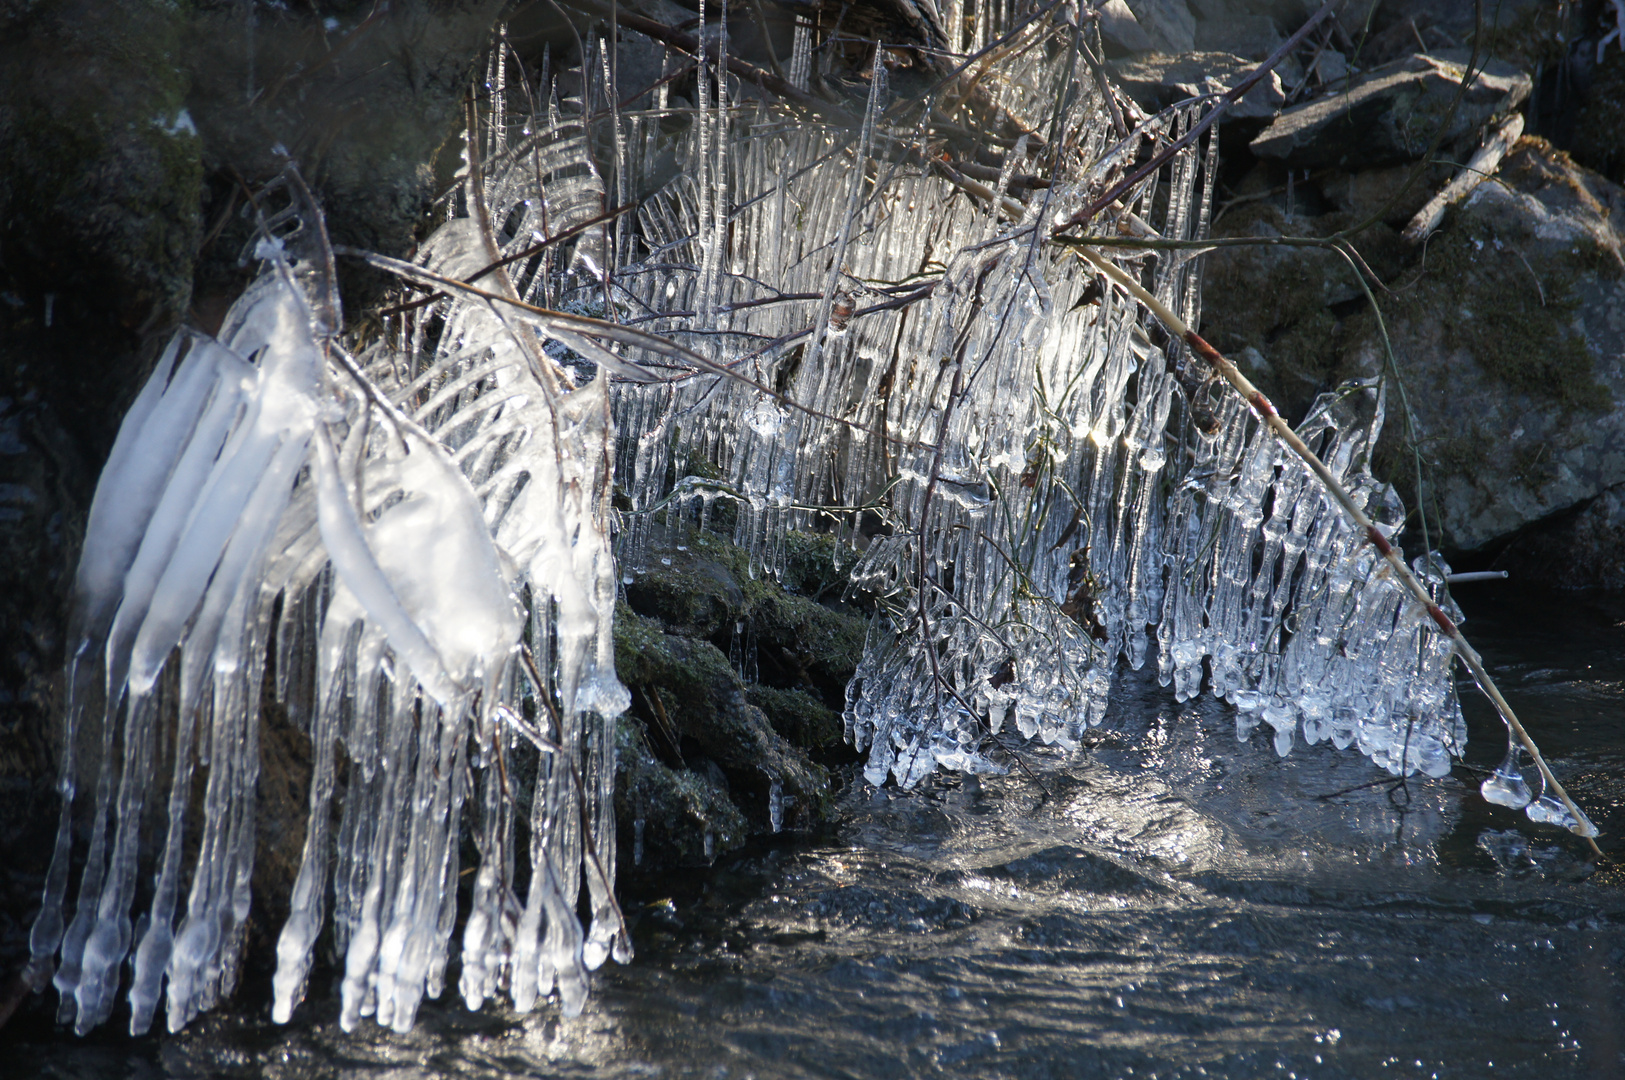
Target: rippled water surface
x,y
1170,903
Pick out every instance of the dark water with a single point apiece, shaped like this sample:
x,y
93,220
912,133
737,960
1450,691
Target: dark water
x,y
1169,904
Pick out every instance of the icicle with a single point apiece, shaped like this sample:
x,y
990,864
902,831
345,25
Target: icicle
x,y
801,54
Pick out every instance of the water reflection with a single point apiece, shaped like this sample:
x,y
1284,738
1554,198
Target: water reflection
x,y
1169,903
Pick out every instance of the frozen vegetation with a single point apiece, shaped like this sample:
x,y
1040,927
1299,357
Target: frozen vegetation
x,y
414,542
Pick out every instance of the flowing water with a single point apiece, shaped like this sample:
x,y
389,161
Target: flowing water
x,y
1166,903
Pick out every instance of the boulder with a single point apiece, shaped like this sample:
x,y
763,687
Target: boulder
x,y
1279,310
1120,28
1510,338
1168,23
1390,114
1396,192
1522,31
1580,550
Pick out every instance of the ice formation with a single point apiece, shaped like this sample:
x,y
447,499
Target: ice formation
x,y
413,547
409,549
1042,481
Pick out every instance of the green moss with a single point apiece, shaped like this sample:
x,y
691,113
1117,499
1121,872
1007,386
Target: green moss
x,y
798,716
689,700
708,591
688,675
678,807
817,565
1519,327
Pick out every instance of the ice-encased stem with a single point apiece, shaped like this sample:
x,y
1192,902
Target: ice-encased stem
x,y
1266,412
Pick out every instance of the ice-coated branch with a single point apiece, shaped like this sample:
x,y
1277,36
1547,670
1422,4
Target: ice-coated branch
x,y
1578,823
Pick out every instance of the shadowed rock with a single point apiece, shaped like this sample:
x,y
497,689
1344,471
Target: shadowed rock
x,y
1390,114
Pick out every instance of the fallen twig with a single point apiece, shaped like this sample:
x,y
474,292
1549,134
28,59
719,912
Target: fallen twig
x,y
1478,169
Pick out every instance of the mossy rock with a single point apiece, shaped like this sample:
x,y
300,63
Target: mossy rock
x,y
663,814
798,716
701,757
705,589
704,746
1507,331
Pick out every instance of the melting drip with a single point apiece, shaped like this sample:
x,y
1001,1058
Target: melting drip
x,y
1505,786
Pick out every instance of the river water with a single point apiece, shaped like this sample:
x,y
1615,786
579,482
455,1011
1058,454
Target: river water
x,y
1169,903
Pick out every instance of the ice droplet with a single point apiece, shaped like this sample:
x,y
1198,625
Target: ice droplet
x,y
1547,810
1505,786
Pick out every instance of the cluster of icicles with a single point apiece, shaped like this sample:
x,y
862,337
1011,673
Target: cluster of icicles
x,y
410,548
1042,484
414,540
